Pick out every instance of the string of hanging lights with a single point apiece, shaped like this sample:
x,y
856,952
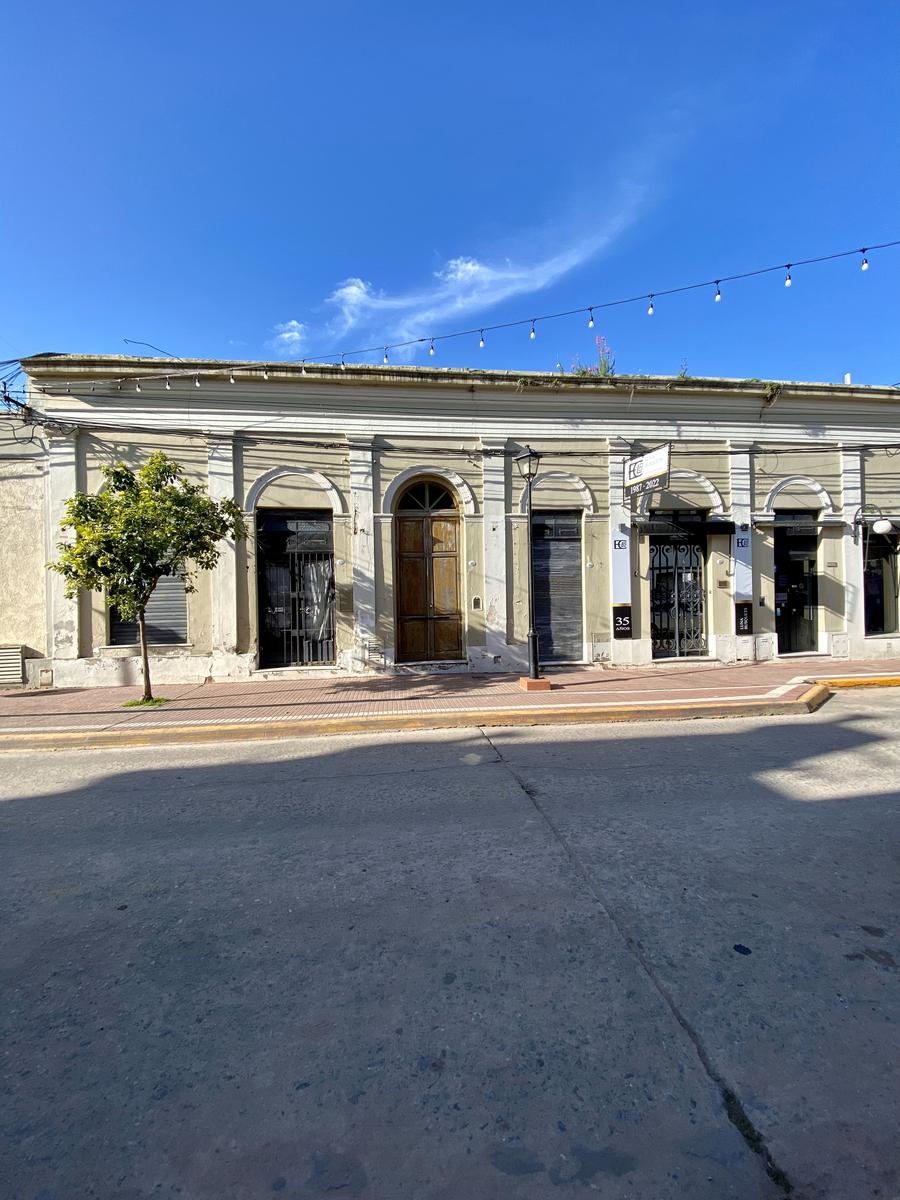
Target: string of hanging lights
x,y
339,358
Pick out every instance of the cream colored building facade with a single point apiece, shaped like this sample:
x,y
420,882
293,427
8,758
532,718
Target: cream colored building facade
x,y
770,506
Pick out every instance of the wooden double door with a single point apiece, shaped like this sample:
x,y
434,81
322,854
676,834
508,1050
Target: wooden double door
x,y
429,618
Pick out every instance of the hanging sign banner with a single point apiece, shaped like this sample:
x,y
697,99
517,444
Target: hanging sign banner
x,y
649,471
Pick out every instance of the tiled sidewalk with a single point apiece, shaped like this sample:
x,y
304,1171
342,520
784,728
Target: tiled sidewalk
x,y
403,701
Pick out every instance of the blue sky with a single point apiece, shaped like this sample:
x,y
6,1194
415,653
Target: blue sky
x,y
288,179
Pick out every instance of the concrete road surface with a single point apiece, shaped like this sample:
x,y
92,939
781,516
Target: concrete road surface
x,y
634,962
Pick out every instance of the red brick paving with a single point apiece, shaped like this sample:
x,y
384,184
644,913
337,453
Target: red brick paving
x,y
405,695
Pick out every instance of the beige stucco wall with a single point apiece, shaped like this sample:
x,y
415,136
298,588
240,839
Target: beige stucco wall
x,y
881,480
96,452
763,581
255,459
427,460
771,465
830,563
23,552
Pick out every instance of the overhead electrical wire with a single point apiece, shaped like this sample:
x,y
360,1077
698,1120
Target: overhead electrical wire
x,y
340,357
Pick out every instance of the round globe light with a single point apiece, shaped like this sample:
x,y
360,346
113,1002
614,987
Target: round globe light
x,y
882,525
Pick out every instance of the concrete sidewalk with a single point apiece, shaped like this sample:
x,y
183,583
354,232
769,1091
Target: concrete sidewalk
x,y
254,710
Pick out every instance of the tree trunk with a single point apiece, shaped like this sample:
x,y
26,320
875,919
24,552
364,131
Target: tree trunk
x,y
145,661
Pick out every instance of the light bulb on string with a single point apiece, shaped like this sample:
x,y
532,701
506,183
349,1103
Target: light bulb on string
x,y
533,333
650,305
481,341
787,279
431,347
265,372
718,295
196,381
864,265
168,385
231,377
343,364
303,367
591,319
137,386
385,359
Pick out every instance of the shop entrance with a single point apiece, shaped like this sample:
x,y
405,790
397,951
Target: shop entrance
x,y
556,554
796,582
677,588
426,539
295,584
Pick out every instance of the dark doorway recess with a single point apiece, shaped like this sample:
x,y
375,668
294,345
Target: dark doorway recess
x,y
880,581
295,574
796,582
558,608
426,540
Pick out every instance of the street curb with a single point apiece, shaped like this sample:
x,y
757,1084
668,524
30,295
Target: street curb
x,y
862,681
162,735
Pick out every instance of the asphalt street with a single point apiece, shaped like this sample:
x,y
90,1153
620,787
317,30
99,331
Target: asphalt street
x,y
633,962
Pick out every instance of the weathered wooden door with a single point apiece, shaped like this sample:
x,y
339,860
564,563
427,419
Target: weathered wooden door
x,y
426,535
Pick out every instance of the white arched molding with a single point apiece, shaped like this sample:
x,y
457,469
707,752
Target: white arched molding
x,y
307,473
575,481
811,485
716,504
397,484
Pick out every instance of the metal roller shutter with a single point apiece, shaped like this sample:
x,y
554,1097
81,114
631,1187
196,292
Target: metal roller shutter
x,y
165,617
557,586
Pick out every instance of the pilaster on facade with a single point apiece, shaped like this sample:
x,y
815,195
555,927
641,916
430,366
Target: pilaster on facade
x,y
852,483
620,557
222,485
362,537
494,484
62,483
741,469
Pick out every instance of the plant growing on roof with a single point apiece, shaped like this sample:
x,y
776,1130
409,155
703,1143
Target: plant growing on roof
x,y
142,526
606,363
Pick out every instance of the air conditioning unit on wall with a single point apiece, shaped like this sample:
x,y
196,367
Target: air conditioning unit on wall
x,y
11,664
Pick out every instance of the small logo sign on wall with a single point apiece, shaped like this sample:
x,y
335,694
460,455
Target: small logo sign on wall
x,y
648,471
743,617
622,621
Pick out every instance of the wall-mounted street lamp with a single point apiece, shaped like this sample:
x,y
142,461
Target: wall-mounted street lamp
x,y
528,462
870,517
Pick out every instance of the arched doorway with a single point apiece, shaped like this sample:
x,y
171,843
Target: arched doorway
x,y
426,541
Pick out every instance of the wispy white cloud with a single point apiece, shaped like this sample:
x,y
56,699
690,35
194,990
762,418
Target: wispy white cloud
x,y
290,338
464,289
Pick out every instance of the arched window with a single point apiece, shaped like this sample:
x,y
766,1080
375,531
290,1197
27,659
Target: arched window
x,y
426,495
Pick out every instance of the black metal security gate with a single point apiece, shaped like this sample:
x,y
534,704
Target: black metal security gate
x,y
557,586
295,554
677,625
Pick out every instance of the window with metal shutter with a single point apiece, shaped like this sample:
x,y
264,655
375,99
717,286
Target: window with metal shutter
x,y
558,586
165,617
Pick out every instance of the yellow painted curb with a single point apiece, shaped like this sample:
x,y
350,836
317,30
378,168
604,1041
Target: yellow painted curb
x,y
172,735
863,681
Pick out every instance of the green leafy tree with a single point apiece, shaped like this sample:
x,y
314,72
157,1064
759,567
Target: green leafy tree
x,y
141,526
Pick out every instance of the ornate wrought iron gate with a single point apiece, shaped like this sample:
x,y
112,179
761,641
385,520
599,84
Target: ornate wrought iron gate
x,y
296,588
677,622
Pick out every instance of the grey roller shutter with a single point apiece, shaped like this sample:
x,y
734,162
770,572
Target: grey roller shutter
x,y
558,586
165,617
